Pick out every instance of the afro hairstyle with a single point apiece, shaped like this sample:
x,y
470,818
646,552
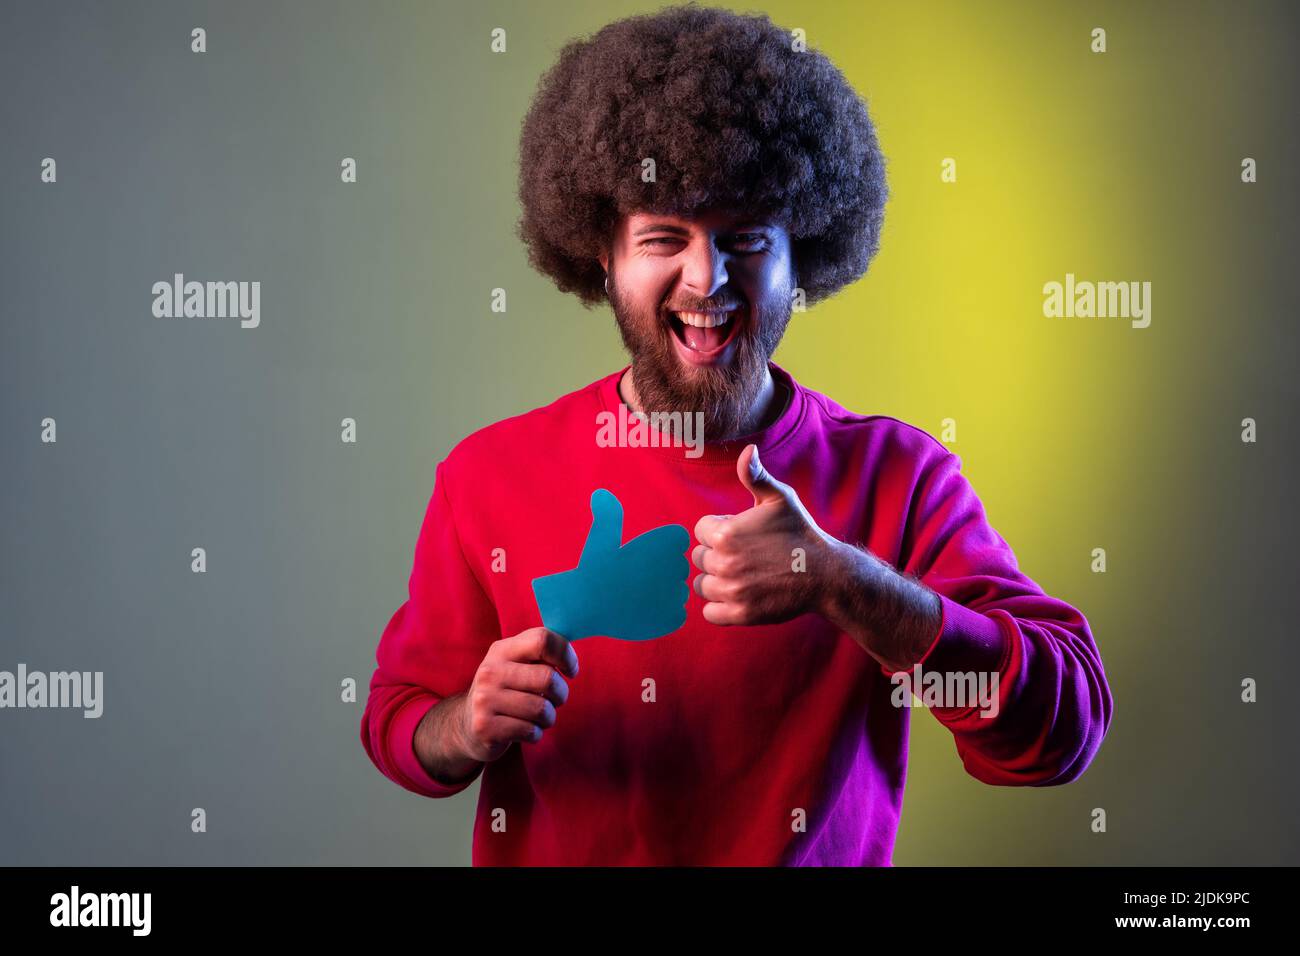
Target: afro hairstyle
x,y
734,118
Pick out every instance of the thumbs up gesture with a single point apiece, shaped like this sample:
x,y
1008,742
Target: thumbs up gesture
x,y
634,591
765,565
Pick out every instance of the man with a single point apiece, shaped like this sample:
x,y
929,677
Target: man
x,y
832,550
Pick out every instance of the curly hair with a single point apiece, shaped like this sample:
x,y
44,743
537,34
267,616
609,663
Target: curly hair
x,y
733,117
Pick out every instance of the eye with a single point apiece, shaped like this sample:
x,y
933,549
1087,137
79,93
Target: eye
x,y
754,239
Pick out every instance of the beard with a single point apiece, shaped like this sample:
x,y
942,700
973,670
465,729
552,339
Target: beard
x,y
725,394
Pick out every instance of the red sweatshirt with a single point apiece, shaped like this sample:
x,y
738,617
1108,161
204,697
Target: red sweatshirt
x,y
775,744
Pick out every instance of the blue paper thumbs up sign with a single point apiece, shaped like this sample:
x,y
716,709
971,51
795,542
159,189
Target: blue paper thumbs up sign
x,y
634,592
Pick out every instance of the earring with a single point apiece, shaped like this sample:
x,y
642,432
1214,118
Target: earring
x,y
606,283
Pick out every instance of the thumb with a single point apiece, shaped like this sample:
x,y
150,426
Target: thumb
x,y
606,534
757,479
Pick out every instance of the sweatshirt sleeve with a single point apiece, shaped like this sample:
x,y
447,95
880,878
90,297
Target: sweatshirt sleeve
x,y
1054,704
429,650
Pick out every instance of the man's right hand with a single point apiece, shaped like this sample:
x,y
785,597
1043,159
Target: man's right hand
x,y
515,692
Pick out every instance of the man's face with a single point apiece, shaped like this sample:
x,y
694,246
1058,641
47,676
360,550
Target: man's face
x,y
701,304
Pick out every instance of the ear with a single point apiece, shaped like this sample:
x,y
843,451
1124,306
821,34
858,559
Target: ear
x,y
604,261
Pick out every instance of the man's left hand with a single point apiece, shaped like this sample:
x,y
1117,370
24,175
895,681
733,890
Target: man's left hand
x,y
765,565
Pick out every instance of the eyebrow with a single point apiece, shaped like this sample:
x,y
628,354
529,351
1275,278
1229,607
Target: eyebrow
x,y
660,227
678,230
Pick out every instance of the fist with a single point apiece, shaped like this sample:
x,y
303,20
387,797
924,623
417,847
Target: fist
x,y
764,565
515,692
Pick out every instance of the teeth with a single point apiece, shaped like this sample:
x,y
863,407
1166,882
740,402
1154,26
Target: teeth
x,y
704,320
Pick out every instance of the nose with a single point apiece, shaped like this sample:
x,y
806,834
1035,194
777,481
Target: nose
x,y
705,268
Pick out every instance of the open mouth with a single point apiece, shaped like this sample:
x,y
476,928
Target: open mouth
x,y
705,333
